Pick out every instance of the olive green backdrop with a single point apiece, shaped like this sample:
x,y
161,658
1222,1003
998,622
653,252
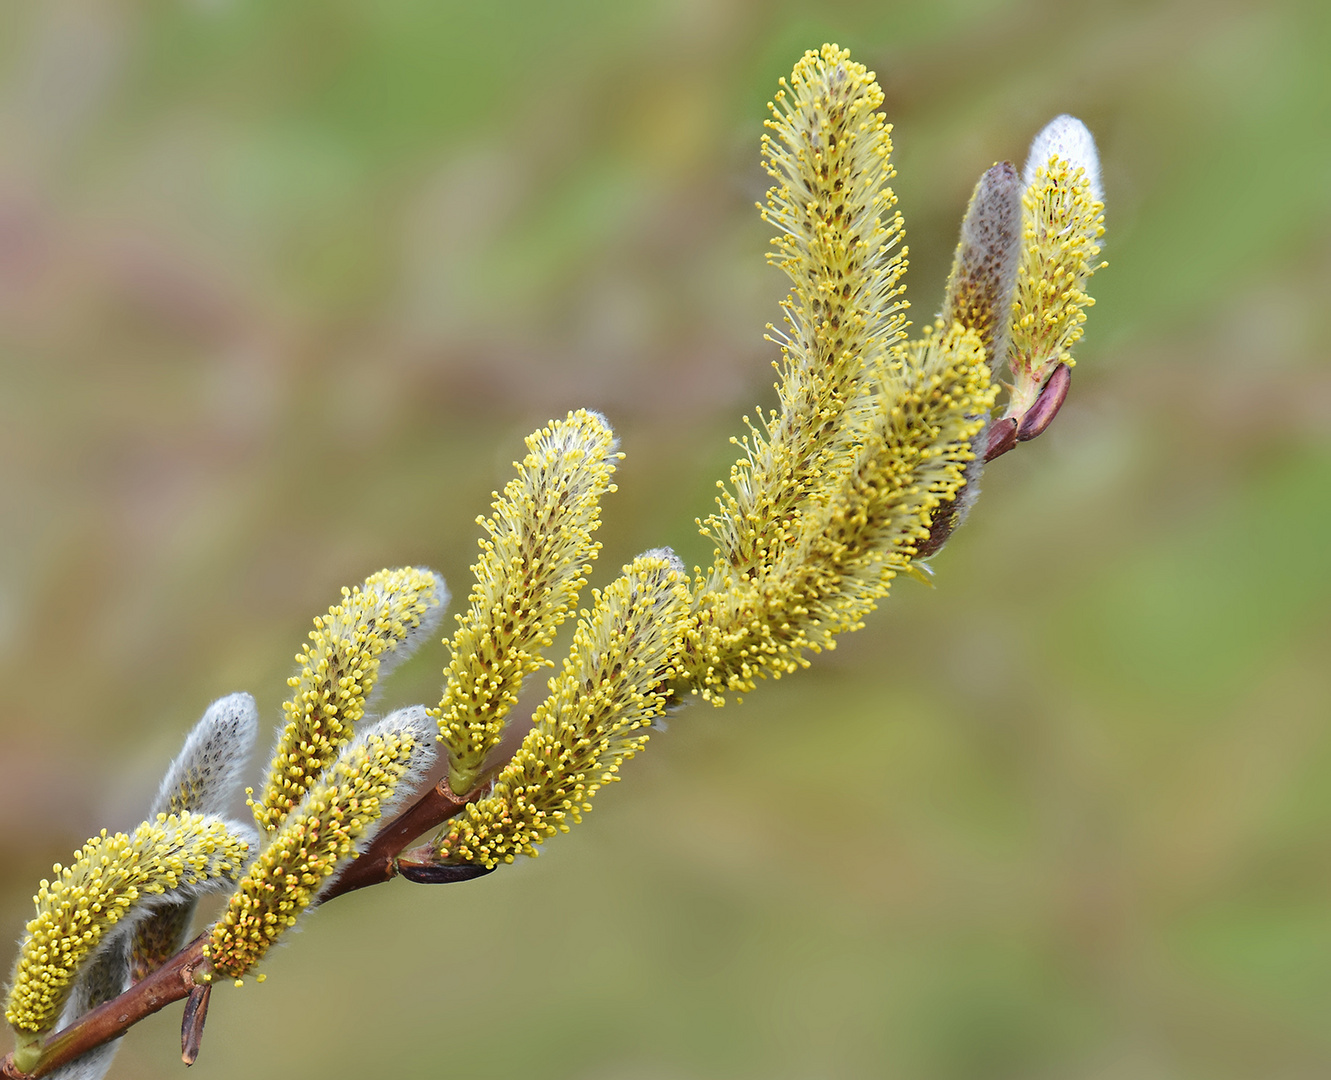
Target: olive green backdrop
x,y
284,282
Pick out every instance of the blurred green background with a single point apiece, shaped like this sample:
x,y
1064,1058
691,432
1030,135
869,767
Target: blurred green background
x,y
284,283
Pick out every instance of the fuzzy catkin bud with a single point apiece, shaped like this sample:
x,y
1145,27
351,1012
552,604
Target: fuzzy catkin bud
x,y
204,777
1068,139
979,298
207,773
984,268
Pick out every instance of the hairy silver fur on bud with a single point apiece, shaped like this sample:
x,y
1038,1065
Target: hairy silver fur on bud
x,y
1068,138
209,771
979,297
204,778
984,268
416,636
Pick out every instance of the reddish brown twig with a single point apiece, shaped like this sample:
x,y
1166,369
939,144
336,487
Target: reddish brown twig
x,y
378,863
175,979
170,982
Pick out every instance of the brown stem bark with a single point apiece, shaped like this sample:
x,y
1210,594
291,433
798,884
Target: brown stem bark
x,y
170,982
175,979
378,863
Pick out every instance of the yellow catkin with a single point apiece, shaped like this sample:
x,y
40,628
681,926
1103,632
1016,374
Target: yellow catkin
x,y
836,490
377,623
111,877
912,461
532,566
318,836
597,716
938,397
829,151
1063,223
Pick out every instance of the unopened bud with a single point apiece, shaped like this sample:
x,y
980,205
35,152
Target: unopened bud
x,y
984,268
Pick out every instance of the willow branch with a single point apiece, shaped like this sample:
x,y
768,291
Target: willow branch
x,y
378,862
170,982
175,979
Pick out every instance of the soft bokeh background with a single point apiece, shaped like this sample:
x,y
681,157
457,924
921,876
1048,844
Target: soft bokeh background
x,y
284,282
